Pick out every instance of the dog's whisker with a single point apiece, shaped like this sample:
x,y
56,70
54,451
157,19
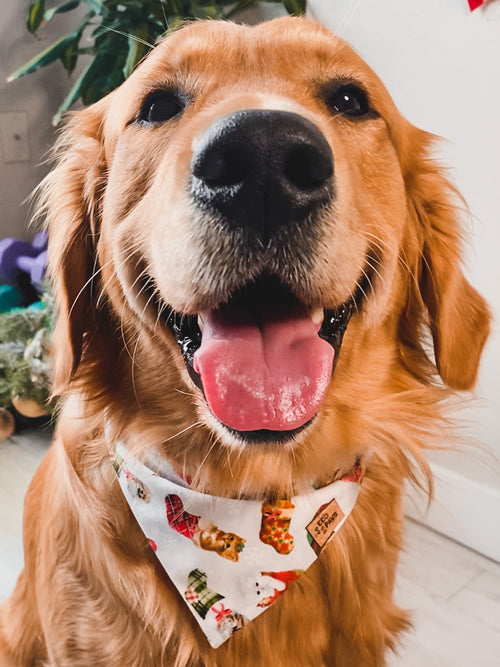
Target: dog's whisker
x,y
375,271
381,244
360,287
140,276
198,472
95,272
122,255
377,241
228,457
347,18
135,365
125,34
162,307
402,258
154,295
185,393
103,291
428,268
373,265
88,282
404,263
170,317
165,18
368,280
184,430
122,333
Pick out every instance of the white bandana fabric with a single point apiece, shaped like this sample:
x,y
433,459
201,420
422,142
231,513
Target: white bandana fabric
x,y
231,559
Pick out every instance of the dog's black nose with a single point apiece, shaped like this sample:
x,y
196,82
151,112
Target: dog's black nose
x,y
262,169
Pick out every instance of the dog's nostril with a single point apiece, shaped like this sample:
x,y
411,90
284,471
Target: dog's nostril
x,y
306,168
220,168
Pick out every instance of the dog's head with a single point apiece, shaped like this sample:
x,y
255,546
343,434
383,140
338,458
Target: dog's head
x,y
247,236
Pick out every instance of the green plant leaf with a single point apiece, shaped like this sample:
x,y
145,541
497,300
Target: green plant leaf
x,y
60,9
174,22
295,7
35,15
45,57
206,12
73,94
87,85
176,7
158,13
137,49
70,56
106,75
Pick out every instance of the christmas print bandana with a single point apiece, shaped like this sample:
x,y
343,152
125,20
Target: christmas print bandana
x,y
231,559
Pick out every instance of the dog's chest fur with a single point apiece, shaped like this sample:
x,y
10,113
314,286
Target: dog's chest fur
x,y
338,597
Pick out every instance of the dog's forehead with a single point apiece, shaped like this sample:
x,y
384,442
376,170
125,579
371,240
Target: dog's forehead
x,y
223,44
210,53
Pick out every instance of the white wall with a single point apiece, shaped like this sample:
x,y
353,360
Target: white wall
x,y
441,64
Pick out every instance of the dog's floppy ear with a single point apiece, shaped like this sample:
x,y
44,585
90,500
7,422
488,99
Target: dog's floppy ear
x,y
70,197
458,316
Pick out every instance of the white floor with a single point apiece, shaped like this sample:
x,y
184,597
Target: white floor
x,y
453,592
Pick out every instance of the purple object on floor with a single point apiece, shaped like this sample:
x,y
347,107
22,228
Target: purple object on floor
x,y
35,267
29,257
41,240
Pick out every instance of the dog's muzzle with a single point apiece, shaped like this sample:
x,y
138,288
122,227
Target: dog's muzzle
x,y
260,170
262,356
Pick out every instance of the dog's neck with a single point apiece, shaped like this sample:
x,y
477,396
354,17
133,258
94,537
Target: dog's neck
x,y
156,462
253,472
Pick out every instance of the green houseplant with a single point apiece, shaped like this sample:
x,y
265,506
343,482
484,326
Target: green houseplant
x,y
121,32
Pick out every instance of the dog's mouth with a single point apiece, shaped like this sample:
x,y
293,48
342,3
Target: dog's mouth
x,y
263,360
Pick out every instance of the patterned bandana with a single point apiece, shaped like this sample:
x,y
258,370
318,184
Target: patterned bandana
x,y
231,559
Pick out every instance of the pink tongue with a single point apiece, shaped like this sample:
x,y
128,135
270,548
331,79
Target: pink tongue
x,y
272,375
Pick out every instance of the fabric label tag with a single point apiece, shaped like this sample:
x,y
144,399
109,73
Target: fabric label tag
x,y
322,527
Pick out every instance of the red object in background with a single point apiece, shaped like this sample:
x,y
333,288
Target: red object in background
x,y
474,4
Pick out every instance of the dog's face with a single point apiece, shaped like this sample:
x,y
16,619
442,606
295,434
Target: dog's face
x,y
256,220
270,237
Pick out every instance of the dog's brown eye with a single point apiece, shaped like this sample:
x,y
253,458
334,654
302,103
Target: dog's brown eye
x,y
161,105
350,101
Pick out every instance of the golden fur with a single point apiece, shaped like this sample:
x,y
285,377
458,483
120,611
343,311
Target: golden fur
x,y
92,592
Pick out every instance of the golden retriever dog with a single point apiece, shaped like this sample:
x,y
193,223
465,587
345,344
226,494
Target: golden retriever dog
x,y
257,265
